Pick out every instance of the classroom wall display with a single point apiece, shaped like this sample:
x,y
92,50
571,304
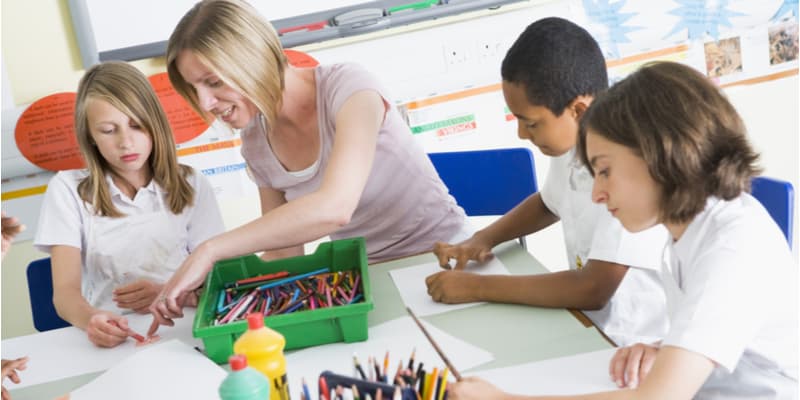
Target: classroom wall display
x,y
445,78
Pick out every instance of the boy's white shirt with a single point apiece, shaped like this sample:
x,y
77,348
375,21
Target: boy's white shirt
x,y
731,287
637,311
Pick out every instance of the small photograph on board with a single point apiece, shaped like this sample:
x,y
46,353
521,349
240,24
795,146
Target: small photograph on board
x,y
723,57
783,42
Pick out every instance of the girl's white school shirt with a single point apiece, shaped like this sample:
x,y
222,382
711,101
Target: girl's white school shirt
x,y
637,311
731,286
150,242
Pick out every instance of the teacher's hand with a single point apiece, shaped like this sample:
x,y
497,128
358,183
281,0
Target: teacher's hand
x,y
169,303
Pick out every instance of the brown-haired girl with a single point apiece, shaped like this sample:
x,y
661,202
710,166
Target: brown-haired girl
x,y
666,147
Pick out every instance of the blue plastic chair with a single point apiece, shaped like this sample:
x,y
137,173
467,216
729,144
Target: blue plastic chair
x,y
488,182
777,196
40,289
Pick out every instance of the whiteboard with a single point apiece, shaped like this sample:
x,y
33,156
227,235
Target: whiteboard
x,y
126,23
138,29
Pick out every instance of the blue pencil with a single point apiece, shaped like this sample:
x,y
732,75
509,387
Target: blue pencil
x,y
293,278
305,389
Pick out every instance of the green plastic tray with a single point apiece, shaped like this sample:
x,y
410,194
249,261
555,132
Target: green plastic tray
x,y
346,323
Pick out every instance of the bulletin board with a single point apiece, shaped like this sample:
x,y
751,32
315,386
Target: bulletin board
x,y
137,29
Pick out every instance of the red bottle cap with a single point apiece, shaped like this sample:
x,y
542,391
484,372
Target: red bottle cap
x,y
238,362
255,321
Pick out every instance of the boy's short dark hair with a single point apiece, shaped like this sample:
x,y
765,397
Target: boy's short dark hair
x,y
690,136
556,61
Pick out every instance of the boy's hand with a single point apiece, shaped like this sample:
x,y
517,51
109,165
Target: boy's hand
x,y
470,249
453,287
630,365
473,388
106,329
137,296
10,368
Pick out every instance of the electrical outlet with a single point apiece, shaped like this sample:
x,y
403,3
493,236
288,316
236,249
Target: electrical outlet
x,y
456,55
489,49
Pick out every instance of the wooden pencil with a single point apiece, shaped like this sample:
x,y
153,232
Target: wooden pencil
x,y
435,346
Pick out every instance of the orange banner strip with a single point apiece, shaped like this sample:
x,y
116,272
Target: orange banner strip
x,y
765,78
646,56
16,194
227,144
453,96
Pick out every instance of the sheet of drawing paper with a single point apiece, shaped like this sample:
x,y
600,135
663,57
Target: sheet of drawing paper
x,y
410,282
578,374
399,337
164,370
49,352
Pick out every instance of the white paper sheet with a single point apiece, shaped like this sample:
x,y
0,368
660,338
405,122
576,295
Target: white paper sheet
x,y
51,351
399,336
166,370
578,374
410,282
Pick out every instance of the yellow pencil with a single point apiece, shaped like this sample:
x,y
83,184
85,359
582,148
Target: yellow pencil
x,y
444,385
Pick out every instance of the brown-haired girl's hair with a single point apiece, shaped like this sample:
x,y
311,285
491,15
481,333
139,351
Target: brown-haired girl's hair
x,y
239,45
689,135
128,90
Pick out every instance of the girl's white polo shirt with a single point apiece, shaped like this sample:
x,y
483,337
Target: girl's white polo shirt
x,y
731,288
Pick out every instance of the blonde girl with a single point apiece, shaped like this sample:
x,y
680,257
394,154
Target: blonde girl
x,y
119,228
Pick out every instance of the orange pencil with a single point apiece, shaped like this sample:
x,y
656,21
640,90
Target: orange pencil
x,y
431,389
386,366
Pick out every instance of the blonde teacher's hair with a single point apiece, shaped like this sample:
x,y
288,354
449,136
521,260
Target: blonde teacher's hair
x,y
239,45
126,89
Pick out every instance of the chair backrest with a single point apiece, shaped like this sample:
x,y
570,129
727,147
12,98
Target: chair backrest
x,y
40,289
487,182
777,196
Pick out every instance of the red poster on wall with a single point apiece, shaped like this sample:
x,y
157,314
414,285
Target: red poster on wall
x,y
299,59
45,133
185,122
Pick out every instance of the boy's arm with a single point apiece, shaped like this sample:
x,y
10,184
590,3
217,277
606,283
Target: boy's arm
x,y
588,288
527,217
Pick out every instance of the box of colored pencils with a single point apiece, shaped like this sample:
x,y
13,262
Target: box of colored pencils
x,y
370,381
314,299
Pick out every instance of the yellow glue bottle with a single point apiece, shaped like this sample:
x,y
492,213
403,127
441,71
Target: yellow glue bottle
x,y
263,348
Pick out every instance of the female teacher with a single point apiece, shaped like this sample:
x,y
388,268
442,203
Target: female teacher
x,y
328,150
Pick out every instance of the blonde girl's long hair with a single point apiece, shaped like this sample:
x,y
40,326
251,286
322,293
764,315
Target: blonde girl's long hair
x,y
239,45
126,89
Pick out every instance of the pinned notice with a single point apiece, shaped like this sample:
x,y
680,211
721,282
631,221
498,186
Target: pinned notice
x,y
185,122
45,133
299,59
